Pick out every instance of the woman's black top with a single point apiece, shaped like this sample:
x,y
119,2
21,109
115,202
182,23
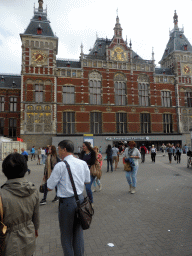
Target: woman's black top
x,y
89,160
109,153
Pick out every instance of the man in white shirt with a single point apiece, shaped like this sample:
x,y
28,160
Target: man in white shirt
x,y
71,232
115,153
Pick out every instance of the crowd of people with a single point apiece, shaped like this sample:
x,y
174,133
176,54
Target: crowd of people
x,y
20,198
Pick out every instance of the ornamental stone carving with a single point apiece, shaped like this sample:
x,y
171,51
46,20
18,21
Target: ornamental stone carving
x,y
47,128
38,128
143,78
94,76
29,128
119,77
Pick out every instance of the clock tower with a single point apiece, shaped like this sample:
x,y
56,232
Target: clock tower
x,y
178,58
38,81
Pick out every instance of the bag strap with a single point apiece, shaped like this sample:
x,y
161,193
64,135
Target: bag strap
x,y
72,182
1,209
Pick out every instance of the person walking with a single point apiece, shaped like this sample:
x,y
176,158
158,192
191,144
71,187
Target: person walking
x,y
109,153
25,154
50,162
178,153
115,153
170,152
20,200
153,153
100,161
89,156
132,152
38,156
43,155
163,147
33,153
185,149
143,151
72,240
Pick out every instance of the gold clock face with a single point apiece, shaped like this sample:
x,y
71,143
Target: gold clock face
x,y
119,55
187,69
38,57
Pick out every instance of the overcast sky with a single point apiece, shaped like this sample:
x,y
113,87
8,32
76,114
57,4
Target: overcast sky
x,y
145,22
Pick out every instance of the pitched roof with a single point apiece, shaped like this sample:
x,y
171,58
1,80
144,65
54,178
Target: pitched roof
x,y
161,71
99,49
39,20
10,81
63,63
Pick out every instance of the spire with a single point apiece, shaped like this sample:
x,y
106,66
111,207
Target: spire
x,y
130,44
117,28
152,54
40,5
175,20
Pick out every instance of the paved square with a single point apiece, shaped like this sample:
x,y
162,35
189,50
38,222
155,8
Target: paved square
x,y
155,221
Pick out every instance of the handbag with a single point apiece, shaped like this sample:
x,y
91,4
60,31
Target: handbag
x,y
84,211
93,170
42,188
127,167
3,229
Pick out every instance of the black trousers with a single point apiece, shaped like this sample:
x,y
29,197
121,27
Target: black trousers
x,y
153,155
142,157
170,156
178,157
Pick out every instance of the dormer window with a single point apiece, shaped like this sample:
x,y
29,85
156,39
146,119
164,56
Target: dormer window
x,y
68,64
39,30
95,52
166,50
13,84
185,47
180,35
2,79
40,18
100,45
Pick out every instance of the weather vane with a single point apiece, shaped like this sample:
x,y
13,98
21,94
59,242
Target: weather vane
x,y
117,11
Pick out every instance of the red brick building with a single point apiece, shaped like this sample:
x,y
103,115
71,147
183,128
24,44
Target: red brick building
x,y
10,91
111,93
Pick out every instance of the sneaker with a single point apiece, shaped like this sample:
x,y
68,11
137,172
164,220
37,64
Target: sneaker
x,y
100,187
93,190
133,190
43,201
55,199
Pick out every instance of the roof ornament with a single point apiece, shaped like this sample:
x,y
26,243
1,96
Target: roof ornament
x,y
96,35
175,20
152,54
40,5
130,44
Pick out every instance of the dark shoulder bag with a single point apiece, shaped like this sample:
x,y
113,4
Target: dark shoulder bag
x,y
84,211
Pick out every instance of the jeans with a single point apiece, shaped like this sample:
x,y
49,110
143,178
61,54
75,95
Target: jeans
x,y
170,156
88,189
43,159
109,160
46,191
178,157
142,158
96,181
72,239
132,176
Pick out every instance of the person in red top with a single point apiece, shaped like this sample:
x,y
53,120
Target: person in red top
x,y
143,151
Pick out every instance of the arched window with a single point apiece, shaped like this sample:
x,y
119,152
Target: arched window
x,y
95,88
143,87
120,89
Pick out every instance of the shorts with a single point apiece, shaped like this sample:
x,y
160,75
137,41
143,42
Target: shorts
x,y
115,159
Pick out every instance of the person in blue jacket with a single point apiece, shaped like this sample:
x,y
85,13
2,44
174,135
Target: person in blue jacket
x,y
178,151
25,154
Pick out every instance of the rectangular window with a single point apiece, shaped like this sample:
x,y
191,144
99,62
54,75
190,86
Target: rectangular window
x,y
96,122
143,94
167,123
145,123
2,104
189,99
13,104
166,98
1,126
121,122
95,92
38,93
12,127
68,94
69,122
120,94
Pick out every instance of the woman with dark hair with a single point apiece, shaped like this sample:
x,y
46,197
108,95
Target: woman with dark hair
x,y
109,153
20,201
178,151
89,156
50,162
133,153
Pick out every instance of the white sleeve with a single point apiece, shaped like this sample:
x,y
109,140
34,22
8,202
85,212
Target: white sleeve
x,y
87,173
138,153
55,176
